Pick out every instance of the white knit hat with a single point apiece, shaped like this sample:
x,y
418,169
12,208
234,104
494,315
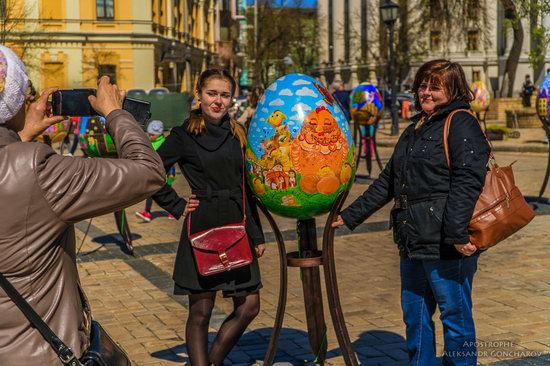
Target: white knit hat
x,y
13,84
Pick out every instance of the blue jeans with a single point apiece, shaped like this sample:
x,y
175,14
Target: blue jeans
x,y
426,284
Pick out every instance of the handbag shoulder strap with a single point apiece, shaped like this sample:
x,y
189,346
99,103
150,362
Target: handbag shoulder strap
x,y
244,199
65,354
447,128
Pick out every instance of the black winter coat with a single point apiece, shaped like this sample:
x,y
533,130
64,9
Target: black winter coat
x,y
432,206
212,164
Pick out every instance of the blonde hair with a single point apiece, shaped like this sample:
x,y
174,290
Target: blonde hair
x,y
197,125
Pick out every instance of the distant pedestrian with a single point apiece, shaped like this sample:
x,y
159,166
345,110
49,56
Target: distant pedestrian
x,y
342,96
526,91
406,110
155,130
253,99
433,204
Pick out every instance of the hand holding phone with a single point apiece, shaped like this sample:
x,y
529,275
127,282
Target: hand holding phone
x,y
108,97
89,102
37,118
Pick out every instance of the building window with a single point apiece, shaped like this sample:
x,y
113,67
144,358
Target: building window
x,y
435,40
476,75
473,41
105,9
109,70
472,9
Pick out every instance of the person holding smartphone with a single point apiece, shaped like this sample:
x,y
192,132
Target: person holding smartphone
x,y
43,194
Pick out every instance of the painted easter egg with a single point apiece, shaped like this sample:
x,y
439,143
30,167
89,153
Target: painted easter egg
x,y
94,139
366,104
482,97
543,102
300,150
55,133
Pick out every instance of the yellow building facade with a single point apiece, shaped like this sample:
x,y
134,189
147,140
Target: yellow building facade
x,y
139,43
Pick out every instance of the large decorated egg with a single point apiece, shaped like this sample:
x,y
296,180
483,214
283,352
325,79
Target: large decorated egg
x,y
482,97
300,150
55,133
543,101
366,104
94,139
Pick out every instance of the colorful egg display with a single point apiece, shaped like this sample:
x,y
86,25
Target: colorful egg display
x,y
366,104
543,102
300,150
55,133
482,97
94,139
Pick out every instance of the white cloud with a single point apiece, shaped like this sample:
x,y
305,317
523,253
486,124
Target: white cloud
x,y
295,117
291,123
272,87
286,92
301,82
306,92
258,130
321,103
265,110
262,119
301,107
276,102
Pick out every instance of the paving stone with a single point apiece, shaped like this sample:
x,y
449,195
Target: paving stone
x,y
132,295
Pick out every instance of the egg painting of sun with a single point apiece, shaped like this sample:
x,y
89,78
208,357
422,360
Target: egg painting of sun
x,y
299,154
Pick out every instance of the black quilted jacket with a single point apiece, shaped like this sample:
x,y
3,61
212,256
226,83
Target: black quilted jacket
x,y
432,206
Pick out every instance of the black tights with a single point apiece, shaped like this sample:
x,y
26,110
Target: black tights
x,y
245,309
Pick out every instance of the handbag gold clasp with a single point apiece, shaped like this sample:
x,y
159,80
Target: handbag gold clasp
x,y
224,259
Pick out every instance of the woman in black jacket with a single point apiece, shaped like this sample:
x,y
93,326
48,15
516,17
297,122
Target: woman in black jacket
x,y
433,204
208,148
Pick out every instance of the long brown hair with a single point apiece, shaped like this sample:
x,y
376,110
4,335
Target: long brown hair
x,y
197,125
447,74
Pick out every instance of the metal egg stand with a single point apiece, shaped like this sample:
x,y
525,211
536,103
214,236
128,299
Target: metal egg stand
x,y
309,258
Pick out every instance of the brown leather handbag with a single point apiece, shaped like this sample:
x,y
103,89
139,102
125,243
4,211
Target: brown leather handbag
x,y
222,248
501,209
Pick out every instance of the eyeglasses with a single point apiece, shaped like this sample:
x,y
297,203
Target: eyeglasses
x,y
424,87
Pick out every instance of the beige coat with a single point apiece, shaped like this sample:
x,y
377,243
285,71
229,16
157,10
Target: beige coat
x,y
42,194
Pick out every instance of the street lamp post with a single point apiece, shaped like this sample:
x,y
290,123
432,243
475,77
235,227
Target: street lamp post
x,y
389,12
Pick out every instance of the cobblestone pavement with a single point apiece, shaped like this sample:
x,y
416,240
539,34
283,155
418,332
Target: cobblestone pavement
x,y
132,295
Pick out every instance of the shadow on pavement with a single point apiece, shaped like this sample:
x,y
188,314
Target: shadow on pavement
x,y
380,346
292,348
542,360
107,240
174,354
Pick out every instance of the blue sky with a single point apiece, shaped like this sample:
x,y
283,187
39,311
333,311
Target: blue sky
x,y
305,3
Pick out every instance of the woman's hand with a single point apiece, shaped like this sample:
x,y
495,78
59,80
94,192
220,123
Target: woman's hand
x,y
260,249
466,249
338,221
37,118
192,204
108,98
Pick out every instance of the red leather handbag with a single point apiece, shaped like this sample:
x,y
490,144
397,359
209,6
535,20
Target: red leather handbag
x,y
222,248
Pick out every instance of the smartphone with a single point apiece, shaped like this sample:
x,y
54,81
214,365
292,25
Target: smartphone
x,y
75,103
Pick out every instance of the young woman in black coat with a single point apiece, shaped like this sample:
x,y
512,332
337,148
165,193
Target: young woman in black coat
x,y
208,148
433,205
